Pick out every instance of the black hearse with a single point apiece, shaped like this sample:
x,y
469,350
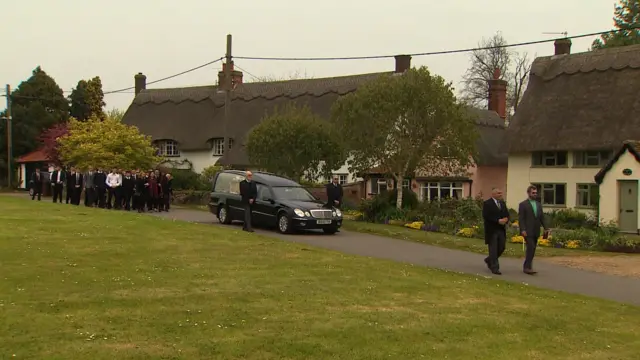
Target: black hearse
x,y
281,203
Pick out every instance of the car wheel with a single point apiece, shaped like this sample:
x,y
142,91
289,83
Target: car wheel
x,y
284,224
330,230
223,215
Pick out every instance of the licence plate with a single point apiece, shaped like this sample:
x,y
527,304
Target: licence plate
x,y
324,222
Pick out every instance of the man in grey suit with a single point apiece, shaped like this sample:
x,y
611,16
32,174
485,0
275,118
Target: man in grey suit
x,y
89,189
531,218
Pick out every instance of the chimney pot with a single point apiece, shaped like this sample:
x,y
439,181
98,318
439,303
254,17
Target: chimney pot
x,y
236,76
140,82
562,46
403,63
498,94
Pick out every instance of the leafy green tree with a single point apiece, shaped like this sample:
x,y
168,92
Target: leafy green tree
x,y
293,141
37,104
87,100
626,19
406,123
115,114
107,144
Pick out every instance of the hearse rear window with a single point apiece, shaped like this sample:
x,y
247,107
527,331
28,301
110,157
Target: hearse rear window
x,y
228,183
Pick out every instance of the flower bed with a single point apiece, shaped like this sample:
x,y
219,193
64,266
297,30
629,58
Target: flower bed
x,y
571,229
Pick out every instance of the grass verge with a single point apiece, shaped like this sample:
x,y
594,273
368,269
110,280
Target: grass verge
x,y
82,283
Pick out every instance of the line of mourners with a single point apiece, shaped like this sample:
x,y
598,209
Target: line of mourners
x,y
127,190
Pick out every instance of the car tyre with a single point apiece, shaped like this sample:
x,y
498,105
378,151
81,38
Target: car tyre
x,y
223,215
330,230
284,224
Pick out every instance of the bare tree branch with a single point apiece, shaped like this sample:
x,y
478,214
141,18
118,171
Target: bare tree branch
x,y
519,80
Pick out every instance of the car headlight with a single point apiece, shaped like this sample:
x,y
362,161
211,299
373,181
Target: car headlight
x,y
338,212
307,214
334,214
298,212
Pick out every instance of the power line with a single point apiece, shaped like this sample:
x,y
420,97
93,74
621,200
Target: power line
x,y
126,90
168,77
248,73
371,57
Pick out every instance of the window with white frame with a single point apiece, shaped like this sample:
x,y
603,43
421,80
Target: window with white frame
x,y
378,185
167,148
591,158
549,159
406,184
587,195
552,194
342,178
441,190
217,145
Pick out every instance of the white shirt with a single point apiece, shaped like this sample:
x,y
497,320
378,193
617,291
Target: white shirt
x,y
114,180
497,203
59,175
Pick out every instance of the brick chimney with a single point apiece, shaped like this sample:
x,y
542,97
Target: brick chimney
x,y
140,81
236,76
403,63
498,94
562,46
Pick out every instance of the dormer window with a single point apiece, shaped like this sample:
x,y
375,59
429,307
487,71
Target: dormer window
x,y
217,146
167,148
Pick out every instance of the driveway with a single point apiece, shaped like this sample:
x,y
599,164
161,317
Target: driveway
x,y
550,276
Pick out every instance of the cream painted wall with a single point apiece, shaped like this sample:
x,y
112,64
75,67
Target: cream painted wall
x,y
609,194
520,174
199,159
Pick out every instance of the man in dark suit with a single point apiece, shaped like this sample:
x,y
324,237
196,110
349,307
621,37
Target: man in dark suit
x,y
58,179
128,186
100,183
77,181
334,193
36,183
167,192
248,192
496,217
89,189
70,184
531,218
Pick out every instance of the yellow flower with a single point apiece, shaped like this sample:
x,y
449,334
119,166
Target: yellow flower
x,y
517,239
467,232
544,242
415,225
573,244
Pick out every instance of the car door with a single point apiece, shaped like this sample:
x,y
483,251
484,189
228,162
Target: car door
x,y
263,209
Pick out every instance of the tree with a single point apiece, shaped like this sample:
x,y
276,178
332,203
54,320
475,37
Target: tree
x,y
492,54
296,75
37,104
431,132
293,141
626,20
50,144
87,100
115,114
106,144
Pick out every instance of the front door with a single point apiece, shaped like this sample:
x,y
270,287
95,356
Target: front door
x,y
628,198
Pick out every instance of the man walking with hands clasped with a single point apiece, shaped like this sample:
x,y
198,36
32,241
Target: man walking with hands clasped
x,y
496,217
248,192
531,218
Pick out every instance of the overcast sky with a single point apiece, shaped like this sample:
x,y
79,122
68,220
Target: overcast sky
x,y
74,39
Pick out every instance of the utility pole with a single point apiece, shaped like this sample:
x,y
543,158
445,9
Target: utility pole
x,y
9,137
227,100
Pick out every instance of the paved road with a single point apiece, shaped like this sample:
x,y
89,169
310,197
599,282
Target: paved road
x,y
550,276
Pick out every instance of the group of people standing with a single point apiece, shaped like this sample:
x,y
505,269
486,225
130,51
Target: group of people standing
x,y
118,189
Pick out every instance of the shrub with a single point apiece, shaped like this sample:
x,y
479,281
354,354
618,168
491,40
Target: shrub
x,y
188,180
571,219
209,173
409,198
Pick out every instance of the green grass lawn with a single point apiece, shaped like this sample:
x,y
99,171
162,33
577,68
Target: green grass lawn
x,y
82,283
458,242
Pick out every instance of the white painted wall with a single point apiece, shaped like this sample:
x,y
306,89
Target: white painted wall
x,y
520,174
200,159
609,204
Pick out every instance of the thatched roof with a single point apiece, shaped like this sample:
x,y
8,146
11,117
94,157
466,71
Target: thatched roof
x,y
194,116
632,146
579,101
